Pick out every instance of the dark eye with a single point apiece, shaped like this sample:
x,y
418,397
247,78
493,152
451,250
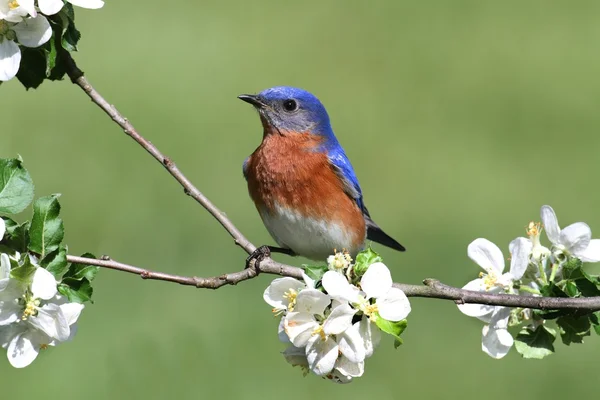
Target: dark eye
x,y
290,105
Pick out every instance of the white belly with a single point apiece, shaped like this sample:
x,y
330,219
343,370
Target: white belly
x,y
308,237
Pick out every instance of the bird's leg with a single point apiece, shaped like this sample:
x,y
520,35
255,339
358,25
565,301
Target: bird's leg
x,y
263,252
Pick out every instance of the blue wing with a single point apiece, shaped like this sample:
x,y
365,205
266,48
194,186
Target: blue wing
x,y
342,167
345,172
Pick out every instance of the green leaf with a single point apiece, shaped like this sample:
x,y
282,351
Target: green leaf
x,y
16,236
573,329
16,187
536,343
571,289
364,259
56,262
32,70
394,329
78,291
595,320
81,271
25,272
315,272
47,230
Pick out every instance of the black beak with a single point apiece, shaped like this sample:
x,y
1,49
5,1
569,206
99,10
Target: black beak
x,y
252,99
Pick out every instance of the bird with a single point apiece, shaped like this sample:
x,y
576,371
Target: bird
x,y
302,183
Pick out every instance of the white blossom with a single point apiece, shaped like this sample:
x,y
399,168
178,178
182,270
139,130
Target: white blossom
x,y
51,7
575,239
29,32
489,257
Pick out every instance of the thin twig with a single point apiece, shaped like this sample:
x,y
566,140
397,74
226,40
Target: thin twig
x,y
432,288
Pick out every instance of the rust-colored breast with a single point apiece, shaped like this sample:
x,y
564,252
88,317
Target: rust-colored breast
x,y
287,171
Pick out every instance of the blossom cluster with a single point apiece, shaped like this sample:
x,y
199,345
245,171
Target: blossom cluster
x,y
535,270
33,315
24,23
333,320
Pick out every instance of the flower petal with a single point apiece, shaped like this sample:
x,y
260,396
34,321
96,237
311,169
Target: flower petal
x,y
394,305
339,320
550,223
275,294
376,281
352,345
520,249
338,287
370,334
52,322
71,311
496,342
312,301
349,368
43,285
92,4
22,351
2,228
299,327
50,7
10,58
283,337
321,354
33,32
475,310
576,237
486,254
295,356
4,269
592,253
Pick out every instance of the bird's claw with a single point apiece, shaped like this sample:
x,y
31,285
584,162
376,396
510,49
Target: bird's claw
x,y
258,255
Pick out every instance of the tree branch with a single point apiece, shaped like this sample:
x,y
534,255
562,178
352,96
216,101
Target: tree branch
x,y
432,288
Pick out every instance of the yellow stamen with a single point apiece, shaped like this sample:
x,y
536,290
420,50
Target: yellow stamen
x,y
319,331
13,4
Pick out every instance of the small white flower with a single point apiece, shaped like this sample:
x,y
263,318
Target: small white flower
x,y
538,252
391,303
282,293
16,10
575,239
339,262
51,7
30,32
489,257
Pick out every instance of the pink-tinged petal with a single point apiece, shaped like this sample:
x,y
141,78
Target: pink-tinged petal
x,y
10,58
394,305
576,237
299,327
496,342
550,223
487,255
283,337
592,253
376,281
520,249
321,355
91,4
33,32
339,320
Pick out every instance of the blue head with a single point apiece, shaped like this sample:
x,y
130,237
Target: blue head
x,y
286,109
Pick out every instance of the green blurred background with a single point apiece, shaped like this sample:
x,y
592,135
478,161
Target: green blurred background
x,y
461,118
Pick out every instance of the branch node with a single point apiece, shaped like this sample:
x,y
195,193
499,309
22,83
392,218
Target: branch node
x,y
105,257
167,162
145,274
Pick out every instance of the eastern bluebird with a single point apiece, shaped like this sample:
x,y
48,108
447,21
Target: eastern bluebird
x,y
301,181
